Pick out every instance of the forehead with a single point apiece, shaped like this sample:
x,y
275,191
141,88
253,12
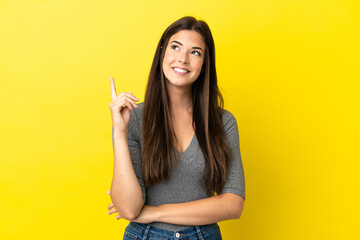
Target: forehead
x,y
188,37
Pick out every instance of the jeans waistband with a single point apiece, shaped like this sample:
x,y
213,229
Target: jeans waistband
x,y
146,229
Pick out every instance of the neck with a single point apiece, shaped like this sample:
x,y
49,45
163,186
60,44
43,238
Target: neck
x,y
180,98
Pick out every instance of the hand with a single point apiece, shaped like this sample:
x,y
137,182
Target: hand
x,y
147,215
120,107
112,208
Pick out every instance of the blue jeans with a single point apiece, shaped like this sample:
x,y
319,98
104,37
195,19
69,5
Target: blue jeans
x,y
140,231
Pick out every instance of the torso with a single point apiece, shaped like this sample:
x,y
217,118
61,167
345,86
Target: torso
x,y
186,181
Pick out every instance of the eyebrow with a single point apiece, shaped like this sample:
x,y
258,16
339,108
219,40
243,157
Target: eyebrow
x,y
192,47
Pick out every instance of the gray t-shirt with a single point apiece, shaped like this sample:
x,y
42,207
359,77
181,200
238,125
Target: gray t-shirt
x,y
185,183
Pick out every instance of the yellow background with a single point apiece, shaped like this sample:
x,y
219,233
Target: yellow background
x,y
289,72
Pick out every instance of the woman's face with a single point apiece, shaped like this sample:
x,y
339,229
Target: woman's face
x,y
184,57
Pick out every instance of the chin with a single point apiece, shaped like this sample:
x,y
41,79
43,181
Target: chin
x,y
180,83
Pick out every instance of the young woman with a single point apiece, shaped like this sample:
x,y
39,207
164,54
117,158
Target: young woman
x,y
177,163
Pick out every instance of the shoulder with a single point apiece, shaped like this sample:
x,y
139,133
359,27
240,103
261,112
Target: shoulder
x,y
230,128
228,120
135,123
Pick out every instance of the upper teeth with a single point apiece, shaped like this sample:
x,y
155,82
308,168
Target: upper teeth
x,y
180,70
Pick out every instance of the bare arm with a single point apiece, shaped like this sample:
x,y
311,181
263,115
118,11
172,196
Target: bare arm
x,y
200,212
125,189
126,193
205,211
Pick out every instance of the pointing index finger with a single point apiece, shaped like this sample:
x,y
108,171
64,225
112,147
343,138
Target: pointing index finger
x,y
112,88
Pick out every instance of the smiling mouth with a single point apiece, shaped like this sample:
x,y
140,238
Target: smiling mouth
x,y
180,70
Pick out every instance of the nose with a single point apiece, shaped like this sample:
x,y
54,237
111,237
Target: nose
x,y
183,57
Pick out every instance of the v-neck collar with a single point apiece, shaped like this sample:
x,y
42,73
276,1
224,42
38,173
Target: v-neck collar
x,y
187,150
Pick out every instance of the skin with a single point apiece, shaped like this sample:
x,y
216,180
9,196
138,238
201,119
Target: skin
x,y
126,192
185,49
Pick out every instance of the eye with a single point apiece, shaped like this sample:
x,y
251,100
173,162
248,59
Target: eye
x,y
174,47
197,53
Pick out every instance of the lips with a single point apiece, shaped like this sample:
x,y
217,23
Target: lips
x,y
180,69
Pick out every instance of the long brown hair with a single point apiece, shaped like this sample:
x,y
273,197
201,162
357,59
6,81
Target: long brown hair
x,y
158,152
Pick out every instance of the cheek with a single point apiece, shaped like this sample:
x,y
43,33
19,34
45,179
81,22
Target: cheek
x,y
169,58
165,62
199,65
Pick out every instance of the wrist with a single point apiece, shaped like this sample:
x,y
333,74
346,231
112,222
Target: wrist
x,y
119,133
159,212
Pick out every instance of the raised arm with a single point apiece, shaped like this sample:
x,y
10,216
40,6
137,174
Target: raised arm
x,y
126,193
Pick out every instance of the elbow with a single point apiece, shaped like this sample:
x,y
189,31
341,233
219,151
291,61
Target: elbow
x,y
233,204
236,205
238,208
128,213
236,214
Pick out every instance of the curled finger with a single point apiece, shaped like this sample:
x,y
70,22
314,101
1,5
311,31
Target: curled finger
x,y
128,97
131,96
132,102
125,102
114,210
111,205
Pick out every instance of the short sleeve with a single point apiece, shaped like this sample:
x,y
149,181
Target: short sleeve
x,y
134,139
235,182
